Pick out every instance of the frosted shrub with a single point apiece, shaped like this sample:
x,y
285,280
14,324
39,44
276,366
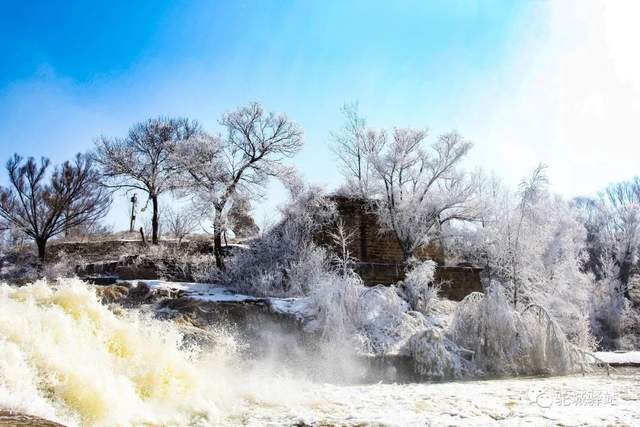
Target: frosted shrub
x,y
278,264
286,261
488,326
335,302
610,309
386,321
420,291
505,341
437,357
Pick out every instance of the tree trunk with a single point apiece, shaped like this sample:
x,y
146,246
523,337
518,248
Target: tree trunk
x,y
217,239
42,246
154,220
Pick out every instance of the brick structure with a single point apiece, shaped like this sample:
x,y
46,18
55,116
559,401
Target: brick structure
x,y
380,254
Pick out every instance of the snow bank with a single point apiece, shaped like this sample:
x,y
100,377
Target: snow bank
x,y
619,358
201,291
298,308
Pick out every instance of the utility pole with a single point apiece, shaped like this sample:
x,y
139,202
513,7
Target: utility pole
x,y
134,204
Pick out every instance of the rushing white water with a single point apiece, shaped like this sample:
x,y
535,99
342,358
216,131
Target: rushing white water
x,y
66,357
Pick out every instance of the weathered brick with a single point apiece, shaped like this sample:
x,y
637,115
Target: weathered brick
x,y
380,255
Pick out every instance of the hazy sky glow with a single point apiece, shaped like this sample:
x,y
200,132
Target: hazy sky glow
x,y
527,81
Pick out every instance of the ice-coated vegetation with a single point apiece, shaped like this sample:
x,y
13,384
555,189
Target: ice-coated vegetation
x,y
487,335
506,341
285,261
531,244
558,275
420,288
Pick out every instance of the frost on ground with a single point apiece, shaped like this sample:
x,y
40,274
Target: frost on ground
x,y
201,291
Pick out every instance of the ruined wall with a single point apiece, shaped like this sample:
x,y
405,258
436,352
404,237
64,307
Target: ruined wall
x,y
380,254
372,244
457,281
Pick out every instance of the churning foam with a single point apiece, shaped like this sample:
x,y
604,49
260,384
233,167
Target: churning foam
x,y
67,357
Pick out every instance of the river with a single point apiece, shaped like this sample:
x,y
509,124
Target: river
x,y
68,358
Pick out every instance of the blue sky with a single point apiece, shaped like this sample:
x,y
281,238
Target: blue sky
x,y
499,72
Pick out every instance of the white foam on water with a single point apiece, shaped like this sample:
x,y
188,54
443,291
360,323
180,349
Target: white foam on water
x,y
66,357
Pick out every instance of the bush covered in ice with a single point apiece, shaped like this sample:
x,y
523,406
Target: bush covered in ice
x,y
420,289
435,356
610,312
285,261
335,305
386,321
505,341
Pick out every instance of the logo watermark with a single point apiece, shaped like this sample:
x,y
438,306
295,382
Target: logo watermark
x,y
546,398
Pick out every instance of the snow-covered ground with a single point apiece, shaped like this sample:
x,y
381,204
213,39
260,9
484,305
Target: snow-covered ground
x,y
201,291
296,307
620,358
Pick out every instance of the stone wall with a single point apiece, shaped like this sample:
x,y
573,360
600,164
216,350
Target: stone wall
x,y
370,242
113,249
380,255
457,281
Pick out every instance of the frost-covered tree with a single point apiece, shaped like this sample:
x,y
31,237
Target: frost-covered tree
x,y
239,164
420,188
414,188
530,192
141,160
43,206
352,145
285,261
613,223
531,244
610,310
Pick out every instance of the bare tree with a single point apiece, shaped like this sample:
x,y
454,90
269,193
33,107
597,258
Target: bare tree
x,y
418,189
180,222
141,160
238,165
41,210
